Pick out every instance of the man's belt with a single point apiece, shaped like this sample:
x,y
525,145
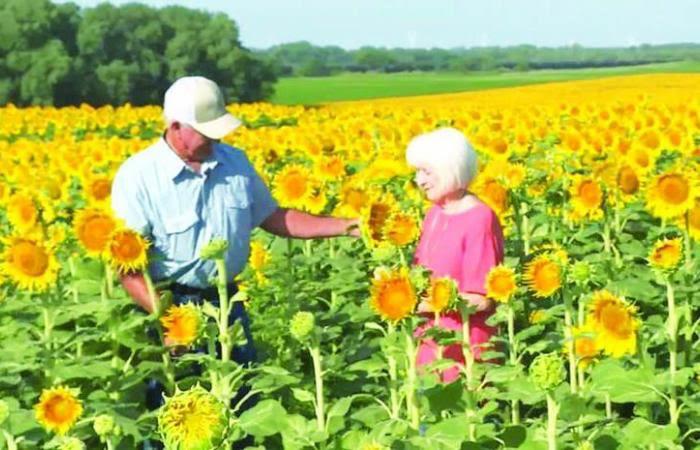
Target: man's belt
x,y
209,293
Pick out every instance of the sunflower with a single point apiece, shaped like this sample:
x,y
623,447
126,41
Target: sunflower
x,y
126,250
259,256
192,420
671,194
666,254
615,324
401,229
586,198
22,212
584,344
97,189
543,276
441,294
375,217
29,263
353,199
494,194
182,324
58,409
393,295
694,220
628,181
93,228
501,283
292,185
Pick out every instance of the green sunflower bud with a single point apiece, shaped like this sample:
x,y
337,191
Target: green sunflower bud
x,y
585,445
547,371
4,411
302,325
71,443
582,272
103,425
215,249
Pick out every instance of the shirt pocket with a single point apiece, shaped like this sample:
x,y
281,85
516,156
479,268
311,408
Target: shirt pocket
x,y
237,210
181,232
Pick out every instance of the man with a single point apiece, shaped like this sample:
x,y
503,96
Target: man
x,y
187,189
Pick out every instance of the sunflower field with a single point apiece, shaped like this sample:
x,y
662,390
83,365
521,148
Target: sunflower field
x,y
597,187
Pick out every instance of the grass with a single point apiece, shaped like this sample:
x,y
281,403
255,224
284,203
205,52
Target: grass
x,y
358,86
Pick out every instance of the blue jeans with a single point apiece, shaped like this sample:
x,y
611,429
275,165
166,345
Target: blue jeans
x,y
242,354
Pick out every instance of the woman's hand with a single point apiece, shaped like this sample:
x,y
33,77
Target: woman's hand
x,y
481,302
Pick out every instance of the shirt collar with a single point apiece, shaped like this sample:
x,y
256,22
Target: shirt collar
x,y
174,165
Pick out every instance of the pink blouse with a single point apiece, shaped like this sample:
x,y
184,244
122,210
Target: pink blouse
x,y
464,247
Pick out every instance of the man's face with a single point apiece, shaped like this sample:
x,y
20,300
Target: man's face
x,y
194,146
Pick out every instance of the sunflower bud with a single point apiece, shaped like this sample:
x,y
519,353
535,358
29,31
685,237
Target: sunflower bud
x,y
302,325
103,425
215,249
581,272
585,445
192,420
4,411
71,443
547,371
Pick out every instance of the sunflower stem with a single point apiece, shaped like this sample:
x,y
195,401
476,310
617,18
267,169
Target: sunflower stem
x,y
109,281
10,441
688,242
157,312
393,379
608,406
224,310
672,329
513,356
318,378
568,337
411,401
469,372
552,412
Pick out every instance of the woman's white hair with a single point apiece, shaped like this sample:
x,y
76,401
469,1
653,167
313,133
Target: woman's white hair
x,y
448,153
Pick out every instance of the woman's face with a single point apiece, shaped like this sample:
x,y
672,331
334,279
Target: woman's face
x,y
428,181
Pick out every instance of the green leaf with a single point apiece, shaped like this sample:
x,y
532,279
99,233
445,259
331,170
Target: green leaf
x,y
503,374
641,433
264,419
303,395
623,385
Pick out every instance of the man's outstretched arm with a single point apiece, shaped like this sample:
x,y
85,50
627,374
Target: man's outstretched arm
x,y
298,224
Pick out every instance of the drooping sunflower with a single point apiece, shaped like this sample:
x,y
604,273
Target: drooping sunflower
x,y
192,420
584,344
182,324
628,181
493,193
292,185
375,217
393,294
542,276
666,254
22,212
58,409
127,250
93,228
401,229
501,283
694,220
671,194
29,263
615,324
441,294
353,199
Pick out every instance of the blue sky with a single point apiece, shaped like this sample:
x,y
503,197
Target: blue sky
x,y
454,23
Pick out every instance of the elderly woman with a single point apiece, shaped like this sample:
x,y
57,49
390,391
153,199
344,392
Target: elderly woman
x,y
461,237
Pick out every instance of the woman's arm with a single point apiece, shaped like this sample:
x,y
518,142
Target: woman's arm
x,y
481,302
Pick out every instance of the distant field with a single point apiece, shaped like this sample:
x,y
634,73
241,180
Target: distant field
x,y
314,90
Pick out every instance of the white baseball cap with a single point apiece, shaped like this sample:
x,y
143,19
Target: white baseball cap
x,y
198,102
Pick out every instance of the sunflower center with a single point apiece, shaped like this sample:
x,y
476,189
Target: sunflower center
x,y
127,247
694,217
101,189
590,193
60,410
295,185
547,277
674,189
378,215
95,233
31,259
615,320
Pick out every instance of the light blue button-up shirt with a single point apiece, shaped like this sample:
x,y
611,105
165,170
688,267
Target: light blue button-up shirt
x,y
180,211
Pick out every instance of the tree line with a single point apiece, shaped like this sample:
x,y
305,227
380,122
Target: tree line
x,y
60,54
303,58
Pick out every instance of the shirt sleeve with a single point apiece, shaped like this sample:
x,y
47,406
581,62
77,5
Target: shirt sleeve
x,y
263,202
483,250
129,203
